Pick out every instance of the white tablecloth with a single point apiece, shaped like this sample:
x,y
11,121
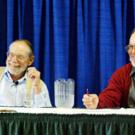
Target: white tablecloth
x,y
70,111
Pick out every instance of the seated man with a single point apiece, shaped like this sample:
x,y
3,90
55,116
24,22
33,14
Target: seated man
x,y
120,91
20,84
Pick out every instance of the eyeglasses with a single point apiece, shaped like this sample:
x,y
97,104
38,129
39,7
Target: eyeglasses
x,y
130,47
18,57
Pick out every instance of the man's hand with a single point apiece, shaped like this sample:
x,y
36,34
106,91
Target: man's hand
x,y
90,101
34,74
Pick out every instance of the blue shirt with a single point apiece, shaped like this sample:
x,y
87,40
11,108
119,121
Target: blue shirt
x,y
14,93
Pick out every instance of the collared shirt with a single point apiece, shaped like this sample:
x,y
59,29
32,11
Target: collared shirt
x,y
14,93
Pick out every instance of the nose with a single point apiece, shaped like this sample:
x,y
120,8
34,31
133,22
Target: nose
x,y
14,58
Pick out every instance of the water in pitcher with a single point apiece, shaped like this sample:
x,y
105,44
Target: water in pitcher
x,y
64,93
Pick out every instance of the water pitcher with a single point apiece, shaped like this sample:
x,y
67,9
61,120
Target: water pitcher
x,y
64,93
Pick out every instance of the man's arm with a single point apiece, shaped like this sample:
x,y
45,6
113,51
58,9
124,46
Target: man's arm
x,y
41,95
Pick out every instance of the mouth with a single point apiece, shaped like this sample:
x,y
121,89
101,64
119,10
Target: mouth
x,y
15,70
132,60
132,57
14,65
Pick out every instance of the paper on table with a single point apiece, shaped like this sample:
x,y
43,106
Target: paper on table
x,y
7,111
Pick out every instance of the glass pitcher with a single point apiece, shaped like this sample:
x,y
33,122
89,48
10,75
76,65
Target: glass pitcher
x,y
64,93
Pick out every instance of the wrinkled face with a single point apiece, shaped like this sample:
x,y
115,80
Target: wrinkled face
x,y
131,49
18,58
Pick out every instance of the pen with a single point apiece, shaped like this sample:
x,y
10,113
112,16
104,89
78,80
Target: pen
x,y
87,92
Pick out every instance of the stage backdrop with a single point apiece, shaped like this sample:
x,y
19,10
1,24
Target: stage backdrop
x,y
79,39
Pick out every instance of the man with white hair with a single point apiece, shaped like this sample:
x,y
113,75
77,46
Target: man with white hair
x,y
20,84
120,91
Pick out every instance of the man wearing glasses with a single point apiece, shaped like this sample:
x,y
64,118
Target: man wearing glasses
x,y
120,91
20,84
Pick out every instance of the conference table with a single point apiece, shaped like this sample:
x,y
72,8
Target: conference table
x,y
66,121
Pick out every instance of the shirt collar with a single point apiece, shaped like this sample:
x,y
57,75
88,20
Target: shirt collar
x,y
132,73
7,75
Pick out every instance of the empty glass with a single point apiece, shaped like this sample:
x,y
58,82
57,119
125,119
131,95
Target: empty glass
x,y
28,99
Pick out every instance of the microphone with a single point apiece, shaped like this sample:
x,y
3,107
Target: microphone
x,y
16,82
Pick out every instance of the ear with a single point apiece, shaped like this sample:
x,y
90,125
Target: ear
x,y
31,60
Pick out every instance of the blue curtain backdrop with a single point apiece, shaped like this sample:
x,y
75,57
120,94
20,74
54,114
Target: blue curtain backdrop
x,y
79,39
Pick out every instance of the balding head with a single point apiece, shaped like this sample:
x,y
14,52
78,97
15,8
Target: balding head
x,y
22,44
132,39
